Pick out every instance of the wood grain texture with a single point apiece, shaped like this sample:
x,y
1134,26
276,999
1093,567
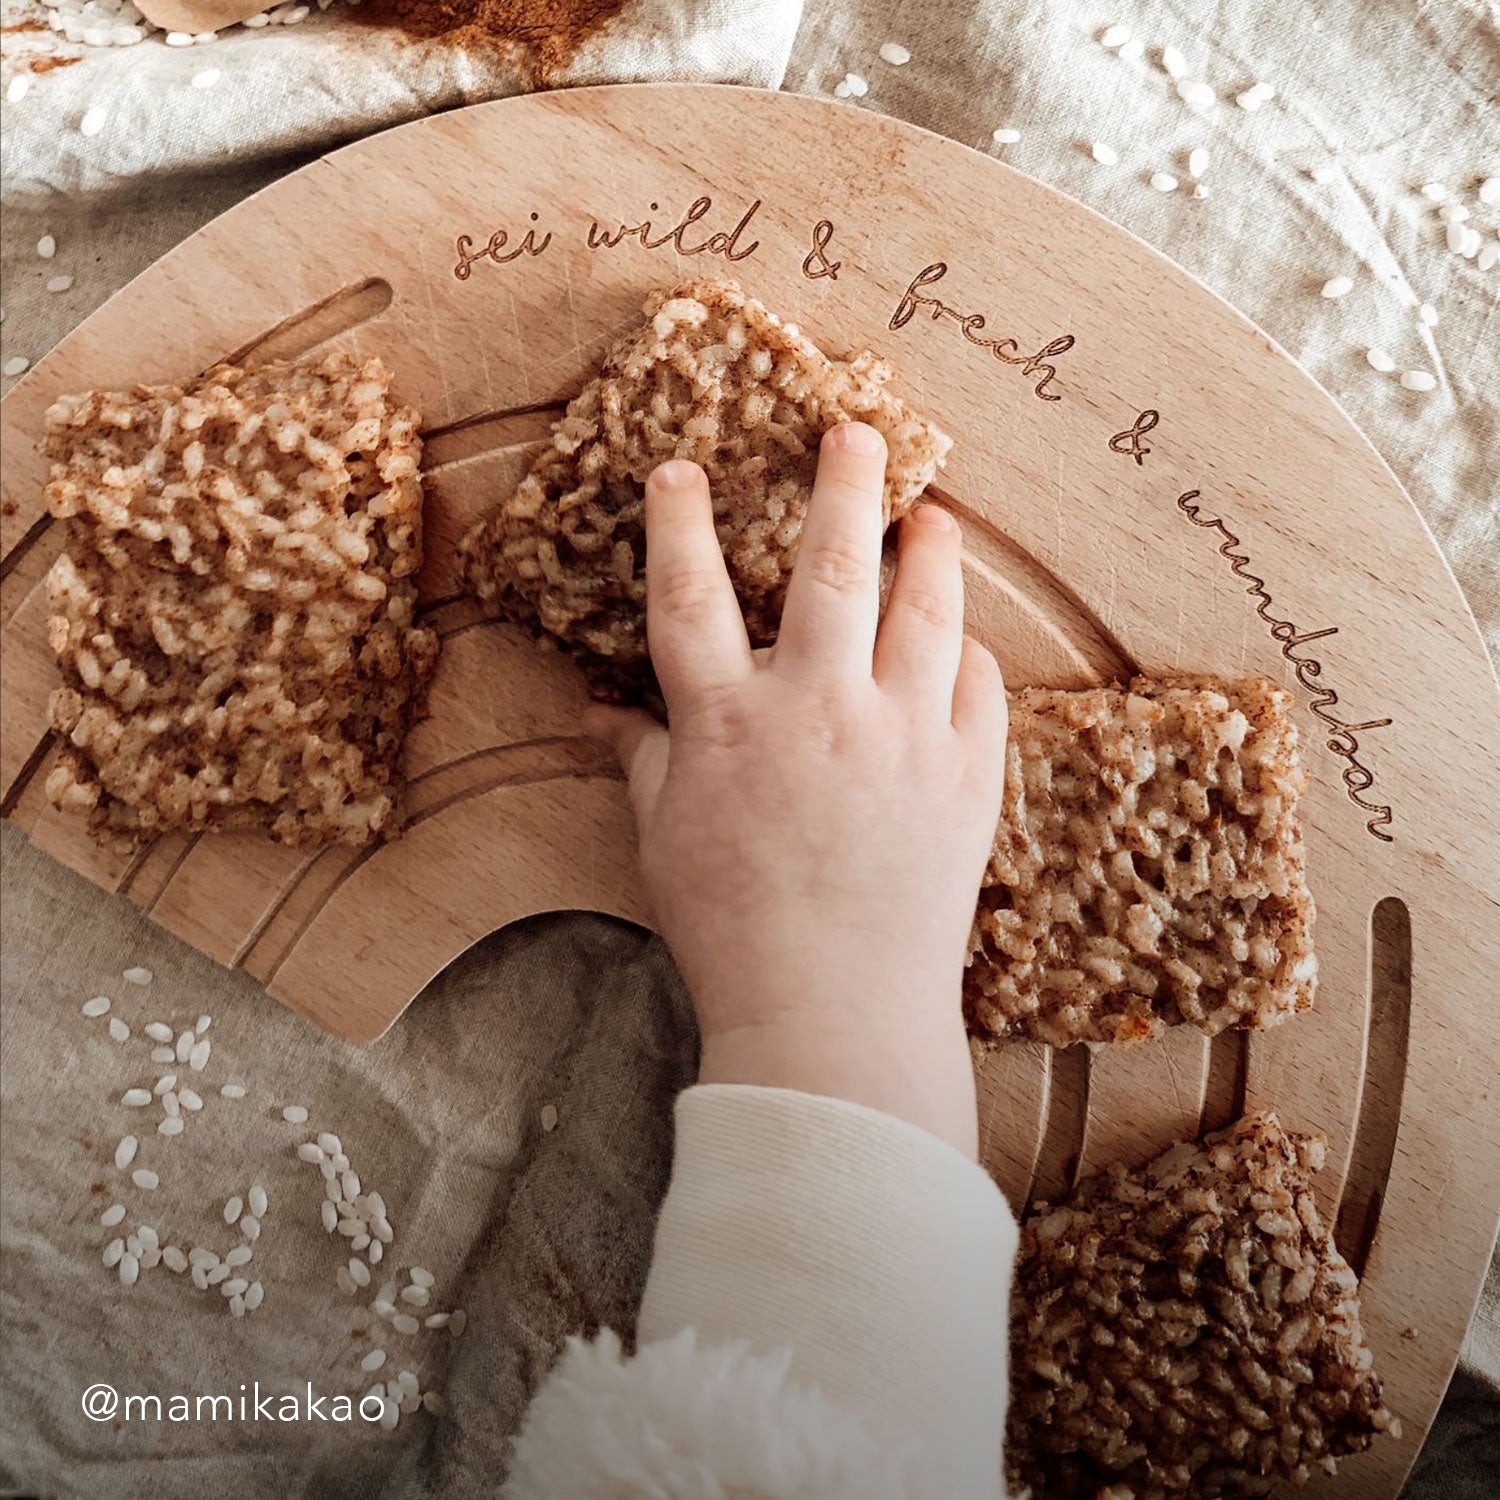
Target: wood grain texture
x,y
1146,481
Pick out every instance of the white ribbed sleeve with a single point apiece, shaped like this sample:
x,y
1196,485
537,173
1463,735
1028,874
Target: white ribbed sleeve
x,y
878,1255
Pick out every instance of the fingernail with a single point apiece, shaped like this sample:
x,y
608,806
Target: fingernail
x,y
676,474
856,437
934,516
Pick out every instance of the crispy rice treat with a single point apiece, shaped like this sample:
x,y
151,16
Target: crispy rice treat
x,y
711,376
233,611
1148,868
1188,1329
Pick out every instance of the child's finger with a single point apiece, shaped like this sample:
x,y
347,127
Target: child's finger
x,y
980,712
693,621
833,603
921,638
639,744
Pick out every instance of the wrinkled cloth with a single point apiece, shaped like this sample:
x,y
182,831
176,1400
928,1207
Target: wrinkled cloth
x,y
541,1234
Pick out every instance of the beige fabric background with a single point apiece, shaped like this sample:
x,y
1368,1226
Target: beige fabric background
x,y
538,1233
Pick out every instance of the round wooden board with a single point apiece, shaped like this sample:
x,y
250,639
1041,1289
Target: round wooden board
x,y
1146,482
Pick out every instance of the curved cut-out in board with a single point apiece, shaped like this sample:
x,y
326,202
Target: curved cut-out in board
x,y
1146,480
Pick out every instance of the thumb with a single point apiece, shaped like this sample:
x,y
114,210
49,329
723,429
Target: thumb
x,y
640,745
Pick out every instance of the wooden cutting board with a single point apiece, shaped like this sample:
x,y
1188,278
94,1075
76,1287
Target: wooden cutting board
x,y
1146,482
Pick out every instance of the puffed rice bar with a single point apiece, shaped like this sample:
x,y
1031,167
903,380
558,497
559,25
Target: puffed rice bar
x,y
714,377
1188,1329
233,612
1148,869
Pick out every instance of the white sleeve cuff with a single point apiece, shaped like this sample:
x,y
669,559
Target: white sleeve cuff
x,y
878,1255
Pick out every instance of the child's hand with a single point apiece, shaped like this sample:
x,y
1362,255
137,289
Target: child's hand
x,y
815,823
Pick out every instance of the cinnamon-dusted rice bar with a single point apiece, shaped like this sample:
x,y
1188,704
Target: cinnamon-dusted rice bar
x,y
234,608
1148,868
714,377
1188,1328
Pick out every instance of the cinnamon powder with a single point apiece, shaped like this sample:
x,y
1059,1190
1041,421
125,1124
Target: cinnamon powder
x,y
544,33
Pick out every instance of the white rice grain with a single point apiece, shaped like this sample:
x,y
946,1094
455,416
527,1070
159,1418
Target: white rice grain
x,y
1418,380
255,1294
250,1227
1163,182
163,1055
330,1216
1197,162
173,1259
17,364
421,1276
1427,315
17,89
350,1183
237,1305
198,1057
125,1151
359,1272
390,1416
233,1091
137,975
1006,136
135,1098
204,1022
1174,64
433,1402
895,54
112,1215
145,1179
130,1269
206,78
46,247
295,1114
112,1253
158,1031
1114,36
233,1208
408,1382
239,1256
118,1029
170,1105
418,1296
165,1084
98,1006
329,1143
216,1274
233,1287
405,1323
1337,286
373,1360
258,1201
190,1099
435,1320
375,1253
185,1046
310,1152
1378,359
172,1125
1196,95
1104,154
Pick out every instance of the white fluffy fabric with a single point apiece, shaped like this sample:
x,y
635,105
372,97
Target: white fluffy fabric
x,y
680,1422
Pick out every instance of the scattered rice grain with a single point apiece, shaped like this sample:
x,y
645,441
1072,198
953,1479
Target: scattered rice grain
x,y
190,1099
239,1256
1337,286
125,1151
1378,359
172,1125
112,1253
233,1208
233,1091
17,364
294,1114
158,1031
98,1006
135,1098
130,1269
258,1201
895,54
1163,182
118,1029
1173,62
1419,380
373,1360
198,1057
137,975
255,1294
112,1215
1114,36
405,1323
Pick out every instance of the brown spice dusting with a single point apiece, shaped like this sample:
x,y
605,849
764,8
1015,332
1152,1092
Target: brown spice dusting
x,y
545,33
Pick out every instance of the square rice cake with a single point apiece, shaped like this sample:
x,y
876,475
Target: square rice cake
x,y
1188,1328
1148,869
234,608
711,376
